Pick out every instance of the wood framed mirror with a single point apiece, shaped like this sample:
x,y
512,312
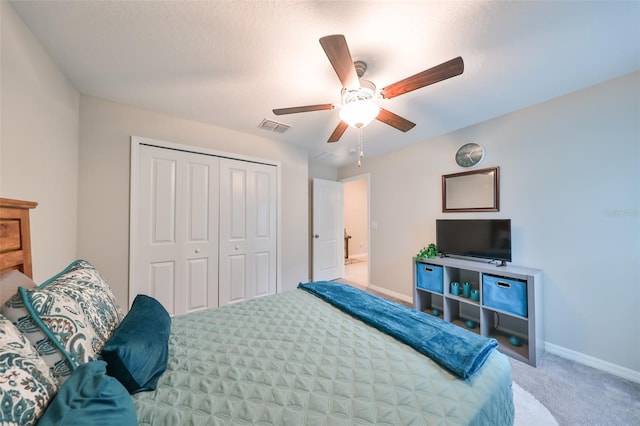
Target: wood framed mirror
x,y
472,191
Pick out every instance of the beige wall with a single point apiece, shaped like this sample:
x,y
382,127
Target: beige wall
x,y
356,216
103,215
39,143
570,182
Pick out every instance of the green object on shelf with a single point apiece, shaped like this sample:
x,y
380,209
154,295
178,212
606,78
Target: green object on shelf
x,y
428,252
515,341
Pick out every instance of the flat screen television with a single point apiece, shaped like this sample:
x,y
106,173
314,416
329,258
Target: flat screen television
x,y
481,238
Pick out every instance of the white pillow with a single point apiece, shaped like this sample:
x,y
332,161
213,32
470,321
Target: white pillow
x,y
26,383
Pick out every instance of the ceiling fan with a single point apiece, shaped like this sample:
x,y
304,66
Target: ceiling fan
x,y
358,95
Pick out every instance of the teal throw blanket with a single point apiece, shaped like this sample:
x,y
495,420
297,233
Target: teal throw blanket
x,y
459,351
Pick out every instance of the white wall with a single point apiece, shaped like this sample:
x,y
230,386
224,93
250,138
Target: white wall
x,y
39,143
322,171
103,215
570,182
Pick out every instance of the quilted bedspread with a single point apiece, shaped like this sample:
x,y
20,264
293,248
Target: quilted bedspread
x,y
292,359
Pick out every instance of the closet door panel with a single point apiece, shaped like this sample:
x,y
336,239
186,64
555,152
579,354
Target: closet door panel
x,y
200,222
197,284
247,230
177,226
263,273
161,284
263,204
198,205
237,205
264,246
234,231
163,202
237,278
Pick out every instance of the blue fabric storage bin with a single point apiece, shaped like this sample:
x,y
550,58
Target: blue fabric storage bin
x,y
429,277
505,294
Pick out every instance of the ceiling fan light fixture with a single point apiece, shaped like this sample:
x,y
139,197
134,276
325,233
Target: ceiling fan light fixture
x,y
359,113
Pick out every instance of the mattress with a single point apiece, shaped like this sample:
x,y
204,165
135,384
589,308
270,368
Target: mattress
x,y
293,359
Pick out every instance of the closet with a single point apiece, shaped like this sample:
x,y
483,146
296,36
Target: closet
x,y
203,228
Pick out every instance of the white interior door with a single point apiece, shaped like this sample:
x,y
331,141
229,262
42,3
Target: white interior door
x,y
328,230
247,230
177,229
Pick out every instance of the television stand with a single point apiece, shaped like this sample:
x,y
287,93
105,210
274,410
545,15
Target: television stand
x,y
508,306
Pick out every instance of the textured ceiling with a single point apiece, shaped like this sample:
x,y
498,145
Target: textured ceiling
x,y
229,63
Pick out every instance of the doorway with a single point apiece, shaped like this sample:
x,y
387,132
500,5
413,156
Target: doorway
x,y
356,230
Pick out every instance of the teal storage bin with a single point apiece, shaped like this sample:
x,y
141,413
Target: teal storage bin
x,y
429,277
505,294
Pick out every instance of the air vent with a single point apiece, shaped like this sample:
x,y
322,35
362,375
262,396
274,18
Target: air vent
x,y
323,156
273,126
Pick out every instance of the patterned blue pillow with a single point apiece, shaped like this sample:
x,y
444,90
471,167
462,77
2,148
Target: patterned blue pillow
x,y
58,328
84,284
26,384
68,318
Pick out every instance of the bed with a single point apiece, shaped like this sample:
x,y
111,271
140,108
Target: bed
x,y
288,359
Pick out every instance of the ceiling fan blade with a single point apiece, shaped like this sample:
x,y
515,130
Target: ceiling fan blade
x,y
432,75
338,132
335,46
307,108
395,120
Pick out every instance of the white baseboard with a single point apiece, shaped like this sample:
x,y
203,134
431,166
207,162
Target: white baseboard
x,y
607,367
359,256
391,293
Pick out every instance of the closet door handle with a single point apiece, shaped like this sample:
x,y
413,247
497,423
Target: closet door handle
x,y
316,236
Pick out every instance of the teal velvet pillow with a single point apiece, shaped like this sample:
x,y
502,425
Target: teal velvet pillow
x,y
138,351
90,397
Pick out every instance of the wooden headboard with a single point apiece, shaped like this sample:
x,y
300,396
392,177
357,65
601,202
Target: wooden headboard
x,y
15,236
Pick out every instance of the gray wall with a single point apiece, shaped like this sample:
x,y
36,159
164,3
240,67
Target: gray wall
x,y
39,143
103,196
570,182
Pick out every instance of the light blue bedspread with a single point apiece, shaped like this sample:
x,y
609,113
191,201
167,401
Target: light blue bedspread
x,y
460,351
293,359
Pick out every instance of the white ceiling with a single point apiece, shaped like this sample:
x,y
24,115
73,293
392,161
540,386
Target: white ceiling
x,y
229,63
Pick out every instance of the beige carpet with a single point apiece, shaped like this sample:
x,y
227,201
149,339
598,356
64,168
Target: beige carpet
x,y
529,411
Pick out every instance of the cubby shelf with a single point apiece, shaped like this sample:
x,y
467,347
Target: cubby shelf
x,y
498,322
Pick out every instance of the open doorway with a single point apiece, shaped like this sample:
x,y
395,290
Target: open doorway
x,y
356,230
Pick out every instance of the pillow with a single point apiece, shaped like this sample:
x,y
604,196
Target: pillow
x,y
68,318
57,326
26,384
90,397
138,351
83,283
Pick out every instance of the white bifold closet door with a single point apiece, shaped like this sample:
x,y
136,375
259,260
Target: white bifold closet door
x,y
205,229
247,230
177,241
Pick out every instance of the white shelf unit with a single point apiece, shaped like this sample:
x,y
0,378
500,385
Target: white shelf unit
x,y
489,321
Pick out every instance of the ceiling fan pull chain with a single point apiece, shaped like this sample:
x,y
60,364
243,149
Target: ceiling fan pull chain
x,y
361,147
